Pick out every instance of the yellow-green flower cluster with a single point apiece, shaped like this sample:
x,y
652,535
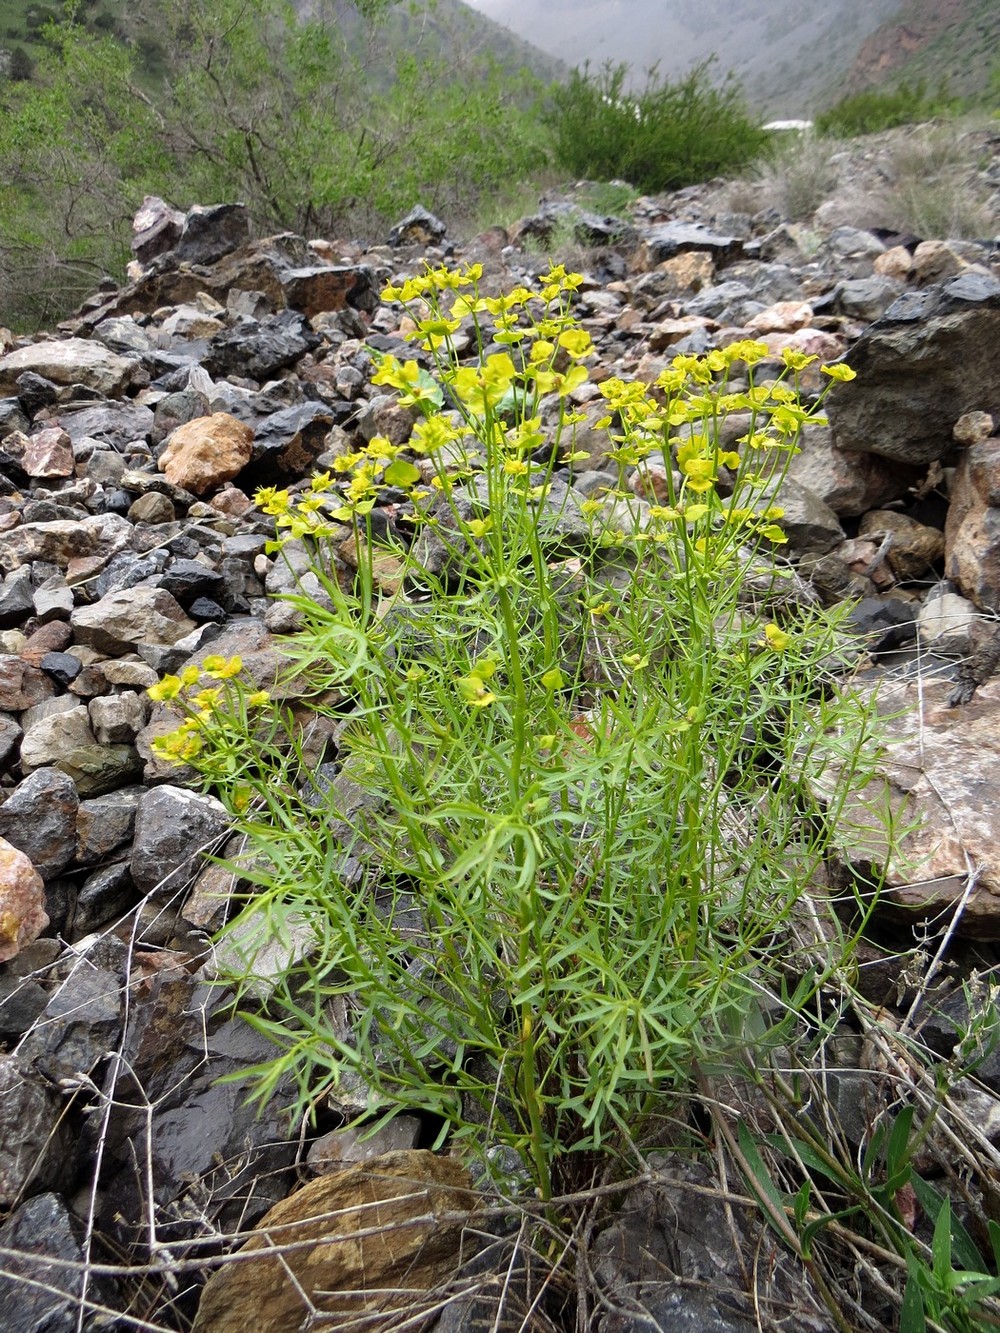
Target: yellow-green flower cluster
x,y
202,703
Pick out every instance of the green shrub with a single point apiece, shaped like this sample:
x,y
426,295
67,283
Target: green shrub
x,y
663,137
871,111
577,744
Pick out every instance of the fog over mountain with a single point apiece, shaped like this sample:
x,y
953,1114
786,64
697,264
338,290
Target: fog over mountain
x,y
788,54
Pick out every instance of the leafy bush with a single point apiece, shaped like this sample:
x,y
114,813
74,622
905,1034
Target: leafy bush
x,y
870,111
665,136
576,745
259,107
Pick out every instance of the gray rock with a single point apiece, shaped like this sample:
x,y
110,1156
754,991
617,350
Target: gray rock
x,y
123,336
123,620
174,829
69,361
210,233
39,818
118,718
66,741
674,238
105,824
17,596
156,228
60,541
258,350
42,1284
104,896
34,1134
53,600
115,424
287,445
866,298
918,373
80,1027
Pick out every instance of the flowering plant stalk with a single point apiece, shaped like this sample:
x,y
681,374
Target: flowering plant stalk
x,y
565,809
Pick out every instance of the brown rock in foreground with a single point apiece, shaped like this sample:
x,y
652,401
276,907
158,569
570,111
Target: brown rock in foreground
x,y
383,1235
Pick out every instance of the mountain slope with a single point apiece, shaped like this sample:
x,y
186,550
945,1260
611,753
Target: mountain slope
x,y
793,57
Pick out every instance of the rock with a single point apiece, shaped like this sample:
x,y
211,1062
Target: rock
x,y
17,597
339,1148
203,453
49,454
39,819
674,238
60,541
972,527
22,685
944,622
174,829
288,444
105,896
419,227
152,508
70,361
320,288
914,548
388,1274
43,1280
118,718
53,601
972,428
133,617
156,228
928,361
34,1138
210,233
80,1027
66,741
867,299
784,317
105,823
672,1258
811,526
258,350
930,782
22,902
850,484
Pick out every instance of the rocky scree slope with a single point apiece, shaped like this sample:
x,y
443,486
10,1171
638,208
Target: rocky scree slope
x,y
131,442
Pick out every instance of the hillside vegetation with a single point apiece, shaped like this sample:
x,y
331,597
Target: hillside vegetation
x,y
327,124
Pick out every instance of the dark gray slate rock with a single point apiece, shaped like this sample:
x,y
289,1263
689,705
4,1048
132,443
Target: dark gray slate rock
x,y
205,1137
287,444
114,423
173,829
419,227
34,1138
104,896
80,1026
674,238
39,819
257,350
212,232
919,369
105,823
674,1259
42,1287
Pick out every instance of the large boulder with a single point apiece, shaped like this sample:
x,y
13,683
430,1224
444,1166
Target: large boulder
x,y
928,361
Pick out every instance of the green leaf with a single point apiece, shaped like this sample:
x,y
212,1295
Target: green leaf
x,y
401,473
911,1312
964,1248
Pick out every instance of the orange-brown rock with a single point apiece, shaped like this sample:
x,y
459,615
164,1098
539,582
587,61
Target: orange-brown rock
x,y
22,902
206,452
369,1241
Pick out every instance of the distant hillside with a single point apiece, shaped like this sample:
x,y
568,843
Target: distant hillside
x,y
793,57
955,40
